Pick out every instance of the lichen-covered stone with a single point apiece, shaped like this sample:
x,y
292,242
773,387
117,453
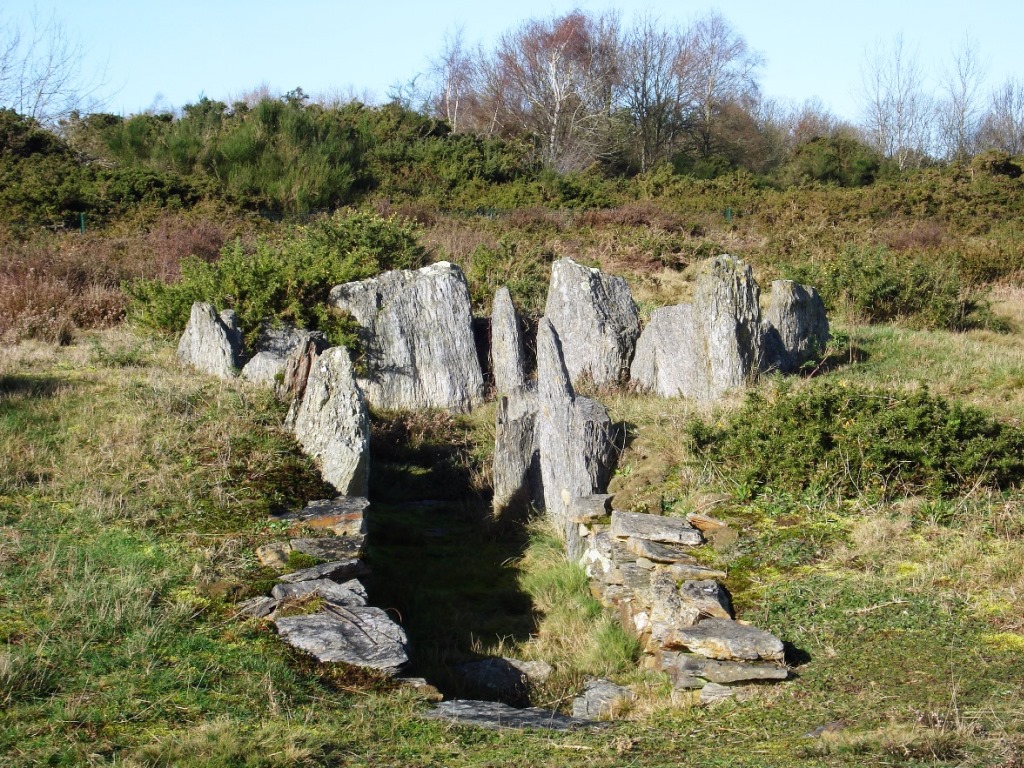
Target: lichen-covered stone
x,y
795,326
728,640
338,570
417,328
343,516
517,468
332,423
693,669
351,593
508,355
596,320
576,443
212,343
707,596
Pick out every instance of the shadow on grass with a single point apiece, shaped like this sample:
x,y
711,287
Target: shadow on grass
x,y
439,564
27,387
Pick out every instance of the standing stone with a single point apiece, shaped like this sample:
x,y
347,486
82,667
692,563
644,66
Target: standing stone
x,y
297,367
210,343
332,424
576,445
275,346
508,356
796,326
704,349
517,471
418,333
596,320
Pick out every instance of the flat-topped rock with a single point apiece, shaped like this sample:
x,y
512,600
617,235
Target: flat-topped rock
x,y
362,636
332,424
212,343
350,593
660,553
494,715
596,320
587,509
417,330
657,528
693,670
257,607
344,515
339,570
688,572
601,699
331,547
728,640
707,596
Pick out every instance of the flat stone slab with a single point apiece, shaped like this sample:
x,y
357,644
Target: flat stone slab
x,y
342,515
496,716
686,666
331,547
339,570
257,607
707,596
361,636
600,700
728,640
660,553
666,530
687,572
350,594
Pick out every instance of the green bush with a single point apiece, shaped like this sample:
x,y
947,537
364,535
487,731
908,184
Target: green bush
x,y
286,280
832,438
879,286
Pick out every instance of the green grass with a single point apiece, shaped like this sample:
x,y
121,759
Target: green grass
x,y
132,497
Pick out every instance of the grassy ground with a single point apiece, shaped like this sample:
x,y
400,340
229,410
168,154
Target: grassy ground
x,y
132,495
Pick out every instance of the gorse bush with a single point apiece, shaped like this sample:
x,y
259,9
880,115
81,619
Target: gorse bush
x,y
833,438
283,280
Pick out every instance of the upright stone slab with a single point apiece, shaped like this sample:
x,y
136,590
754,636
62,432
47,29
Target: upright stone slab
x,y
704,349
508,356
596,320
795,327
267,365
418,335
516,469
212,343
576,446
332,424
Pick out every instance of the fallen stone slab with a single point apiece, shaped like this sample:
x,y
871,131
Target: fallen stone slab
x,y
659,553
344,515
728,640
257,607
351,593
331,547
690,666
601,699
497,716
362,636
687,572
666,530
338,570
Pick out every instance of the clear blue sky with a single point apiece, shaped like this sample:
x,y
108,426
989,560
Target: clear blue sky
x,y
177,51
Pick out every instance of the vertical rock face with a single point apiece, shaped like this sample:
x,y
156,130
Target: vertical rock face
x,y
508,357
796,326
576,446
275,346
297,367
702,350
517,473
596,320
210,343
332,425
417,327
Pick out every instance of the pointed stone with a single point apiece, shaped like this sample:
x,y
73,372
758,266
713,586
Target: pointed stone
x,y
267,364
211,343
796,326
508,355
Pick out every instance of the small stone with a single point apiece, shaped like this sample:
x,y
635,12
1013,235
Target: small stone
x,y
351,593
344,515
667,530
601,700
707,596
422,688
496,716
587,509
274,555
331,547
686,572
713,693
704,522
659,553
339,570
729,640
257,607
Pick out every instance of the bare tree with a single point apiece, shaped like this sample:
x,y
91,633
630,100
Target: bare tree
x,y
651,90
896,112
41,74
958,111
453,73
716,68
1002,126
